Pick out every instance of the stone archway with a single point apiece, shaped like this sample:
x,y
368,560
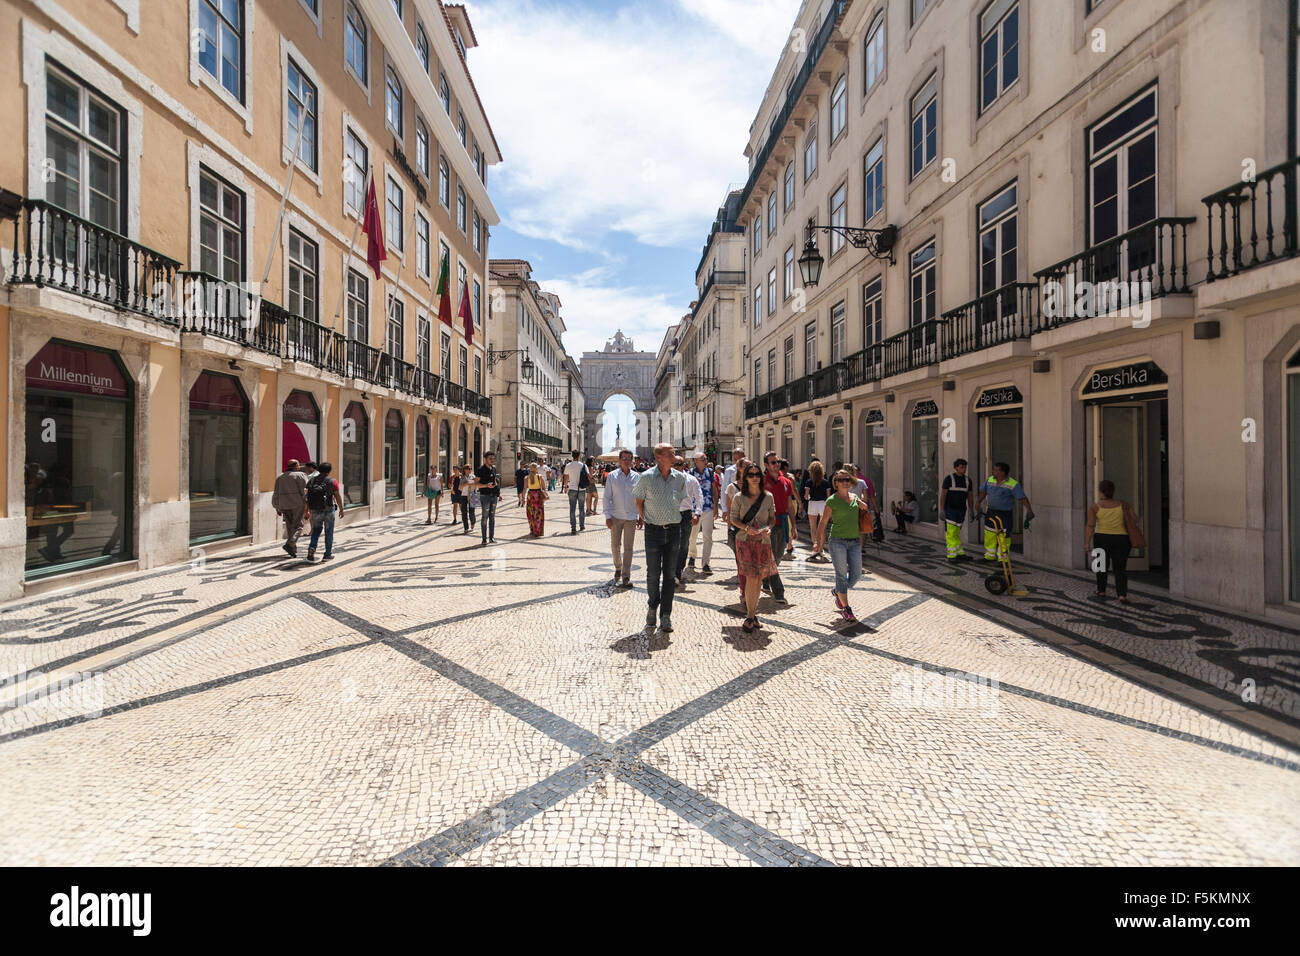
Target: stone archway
x,y
618,370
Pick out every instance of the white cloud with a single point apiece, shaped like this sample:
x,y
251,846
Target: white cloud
x,y
593,311
631,120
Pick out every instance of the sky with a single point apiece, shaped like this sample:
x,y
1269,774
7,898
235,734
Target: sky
x,y
623,126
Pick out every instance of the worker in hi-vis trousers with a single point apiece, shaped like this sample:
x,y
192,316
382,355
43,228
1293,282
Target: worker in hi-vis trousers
x,y
954,498
1002,492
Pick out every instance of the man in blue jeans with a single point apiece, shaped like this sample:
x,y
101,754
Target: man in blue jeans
x,y
489,493
782,491
658,495
574,473
320,489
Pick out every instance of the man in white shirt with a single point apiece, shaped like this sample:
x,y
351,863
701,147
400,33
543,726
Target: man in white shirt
x,y
573,472
621,516
692,506
729,476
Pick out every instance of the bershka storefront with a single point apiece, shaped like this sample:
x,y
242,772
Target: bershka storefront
x,y
78,459
1126,409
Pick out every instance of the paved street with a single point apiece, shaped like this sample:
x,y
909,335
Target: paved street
x,y
425,700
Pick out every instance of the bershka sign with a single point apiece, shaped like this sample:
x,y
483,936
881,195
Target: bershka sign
x,y
70,368
76,908
1138,376
1002,396
925,408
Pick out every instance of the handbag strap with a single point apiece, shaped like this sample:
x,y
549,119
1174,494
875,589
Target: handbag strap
x,y
749,515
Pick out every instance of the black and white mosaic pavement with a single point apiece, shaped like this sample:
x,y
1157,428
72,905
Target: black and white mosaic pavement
x,y
424,700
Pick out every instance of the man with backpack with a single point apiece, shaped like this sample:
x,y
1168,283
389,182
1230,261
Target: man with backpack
x,y
954,499
323,501
711,492
576,480
289,501
488,481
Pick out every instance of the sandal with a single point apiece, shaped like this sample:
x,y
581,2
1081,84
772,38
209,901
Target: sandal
x,y
749,625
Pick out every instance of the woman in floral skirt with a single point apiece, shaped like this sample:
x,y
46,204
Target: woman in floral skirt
x,y
535,490
752,514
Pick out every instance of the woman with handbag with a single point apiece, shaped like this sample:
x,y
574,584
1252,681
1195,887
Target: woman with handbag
x,y
816,489
535,489
752,514
847,517
1113,529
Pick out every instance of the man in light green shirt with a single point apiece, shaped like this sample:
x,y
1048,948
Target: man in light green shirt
x,y
658,495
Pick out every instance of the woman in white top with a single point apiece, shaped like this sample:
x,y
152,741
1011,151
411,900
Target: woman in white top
x,y
432,494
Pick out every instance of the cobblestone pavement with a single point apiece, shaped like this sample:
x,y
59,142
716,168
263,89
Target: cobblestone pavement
x,y
423,699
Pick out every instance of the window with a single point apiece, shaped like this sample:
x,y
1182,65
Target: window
x,y
83,137
444,92
397,6
354,43
771,290
356,443
422,46
839,216
810,348
221,228
810,154
460,128
771,368
421,147
917,8
873,312
478,374
421,243
1122,169
999,49
355,172
393,224
758,377
478,231
923,296
423,346
838,342
771,212
874,58
464,365
301,115
393,101
758,233
789,359
997,240
460,284
873,181
758,305
303,277
460,208
789,184
395,328
925,125
221,52
476,301
839,107
444,183
218,453
358,306
477,156
444,355
788,278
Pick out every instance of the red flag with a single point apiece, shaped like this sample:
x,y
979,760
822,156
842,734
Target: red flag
x,y
466,314
374,230
444,296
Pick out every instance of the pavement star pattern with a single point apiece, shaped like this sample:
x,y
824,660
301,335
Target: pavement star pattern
x,y
424,700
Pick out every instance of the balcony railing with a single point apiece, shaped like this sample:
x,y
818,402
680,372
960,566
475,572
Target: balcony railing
x,y
1252,223
1000,316
865,366
914,348
717,277
829,380
540,437
54,248
1144,263
206,305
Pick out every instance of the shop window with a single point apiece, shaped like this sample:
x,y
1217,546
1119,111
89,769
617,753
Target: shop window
x,y
218,458
356,457
925,465
393,434
300,430
871,453
77,472
838,450
421,447
444,452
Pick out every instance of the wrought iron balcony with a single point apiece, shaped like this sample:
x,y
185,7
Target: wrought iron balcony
x,y
1000,316
540,437
865,366
54,248
1252,223
914,348
206,305
717,277
1150,260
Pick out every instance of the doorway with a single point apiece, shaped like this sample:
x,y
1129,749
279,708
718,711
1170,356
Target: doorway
x,y
1130,446
1002,439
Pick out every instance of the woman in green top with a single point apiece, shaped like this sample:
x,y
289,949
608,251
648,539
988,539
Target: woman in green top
x,y
841,517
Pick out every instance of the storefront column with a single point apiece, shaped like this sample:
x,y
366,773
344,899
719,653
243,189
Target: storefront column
x,y
13,524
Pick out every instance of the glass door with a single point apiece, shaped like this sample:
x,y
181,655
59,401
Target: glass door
x,y
1001,439
1120,448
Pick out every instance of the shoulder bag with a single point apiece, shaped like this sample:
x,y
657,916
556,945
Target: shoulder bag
x,y
1135,537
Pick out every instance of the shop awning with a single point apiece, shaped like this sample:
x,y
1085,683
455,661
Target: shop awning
x,y
540,452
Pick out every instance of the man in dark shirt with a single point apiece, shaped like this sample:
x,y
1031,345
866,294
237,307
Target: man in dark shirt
x,y
954,499
489,493
782,490
520,474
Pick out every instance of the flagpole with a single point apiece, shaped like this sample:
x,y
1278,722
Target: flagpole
x,y
347,263
284,197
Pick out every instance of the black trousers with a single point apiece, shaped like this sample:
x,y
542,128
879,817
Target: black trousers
x,y
1117,548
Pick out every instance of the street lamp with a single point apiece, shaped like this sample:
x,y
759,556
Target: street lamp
x,y
879,243
495,356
